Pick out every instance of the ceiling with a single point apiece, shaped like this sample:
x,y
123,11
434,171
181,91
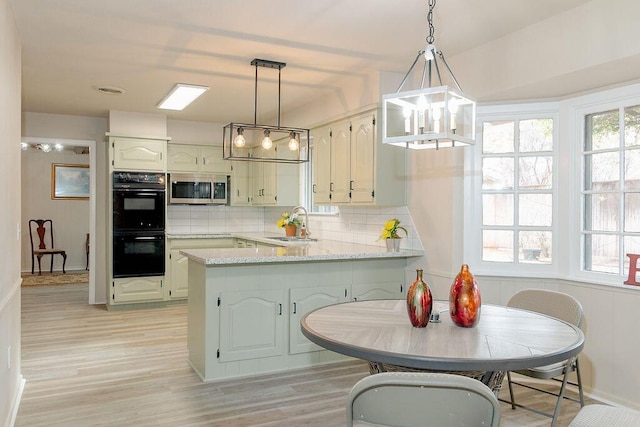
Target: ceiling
x,y
71,47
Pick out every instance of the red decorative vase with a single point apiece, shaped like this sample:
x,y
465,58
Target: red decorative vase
x,y
419,302
464,299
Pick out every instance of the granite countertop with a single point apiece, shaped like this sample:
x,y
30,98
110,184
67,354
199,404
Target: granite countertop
x,y
287,251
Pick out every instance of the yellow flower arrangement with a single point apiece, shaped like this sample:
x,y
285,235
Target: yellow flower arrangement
x,y
287,219
391,228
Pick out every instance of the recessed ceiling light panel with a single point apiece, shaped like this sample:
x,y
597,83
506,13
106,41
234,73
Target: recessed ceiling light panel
x,y
181,95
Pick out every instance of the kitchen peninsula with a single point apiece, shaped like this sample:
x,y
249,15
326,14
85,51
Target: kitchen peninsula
x,y
245,304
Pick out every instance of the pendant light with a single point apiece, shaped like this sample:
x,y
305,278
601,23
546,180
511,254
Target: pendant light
x,y
429,117
259,143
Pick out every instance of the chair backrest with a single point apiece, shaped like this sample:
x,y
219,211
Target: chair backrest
x,y
555,304
421,399
40,228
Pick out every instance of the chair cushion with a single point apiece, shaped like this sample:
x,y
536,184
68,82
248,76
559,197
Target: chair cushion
x,y
603,415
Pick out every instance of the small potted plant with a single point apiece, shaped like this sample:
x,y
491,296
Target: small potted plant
x,y
290,223
390,234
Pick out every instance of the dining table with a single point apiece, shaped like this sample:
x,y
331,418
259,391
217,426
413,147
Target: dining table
x,y
504,339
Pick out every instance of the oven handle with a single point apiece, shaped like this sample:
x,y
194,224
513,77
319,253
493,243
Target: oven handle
x,y
147,238
139,193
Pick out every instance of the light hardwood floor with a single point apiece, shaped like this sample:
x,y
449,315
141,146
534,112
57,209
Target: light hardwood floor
x,y
86,366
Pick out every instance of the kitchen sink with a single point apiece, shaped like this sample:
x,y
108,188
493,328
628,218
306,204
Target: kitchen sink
x,y
293,239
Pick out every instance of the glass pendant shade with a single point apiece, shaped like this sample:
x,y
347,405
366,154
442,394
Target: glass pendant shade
x,y
434,117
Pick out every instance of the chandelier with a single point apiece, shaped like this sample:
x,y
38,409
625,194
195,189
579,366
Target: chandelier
x,y
265,143
429,117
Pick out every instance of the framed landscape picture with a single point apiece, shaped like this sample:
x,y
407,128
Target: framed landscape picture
x,y
70,182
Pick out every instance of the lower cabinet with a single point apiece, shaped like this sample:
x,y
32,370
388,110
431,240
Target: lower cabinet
x,y
177,271
245,319
366,292
251,324
304,300
137,289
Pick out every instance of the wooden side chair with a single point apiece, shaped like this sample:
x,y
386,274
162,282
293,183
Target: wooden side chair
x,y
39,225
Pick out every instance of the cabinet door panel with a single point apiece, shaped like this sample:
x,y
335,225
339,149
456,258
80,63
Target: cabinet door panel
x,y
340,159
137,289
182,158
251,325
139,154
373,291
241,181
304,300
179,285
322,165
363,140
211,161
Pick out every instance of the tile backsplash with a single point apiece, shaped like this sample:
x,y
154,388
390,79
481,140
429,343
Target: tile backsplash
x,y
355,224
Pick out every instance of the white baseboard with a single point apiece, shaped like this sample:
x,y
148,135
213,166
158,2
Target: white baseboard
x,y
16,404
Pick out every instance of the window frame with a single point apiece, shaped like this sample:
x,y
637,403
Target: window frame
x,y
473,192
569,131
579,108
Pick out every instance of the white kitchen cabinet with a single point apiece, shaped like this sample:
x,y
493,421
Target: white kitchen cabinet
x,y
251,324
365,292
264,179
245,334
362,159
331,163
340,162
381,280
177,272
197,159
363,170
241,180
322,165
138,154
301,302
137,289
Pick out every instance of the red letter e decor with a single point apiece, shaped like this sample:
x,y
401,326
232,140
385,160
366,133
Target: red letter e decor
x,y
633,269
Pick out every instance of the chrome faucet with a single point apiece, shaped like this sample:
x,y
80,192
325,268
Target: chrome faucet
x,y
305,223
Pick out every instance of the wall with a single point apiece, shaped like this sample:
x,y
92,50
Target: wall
x,y
11,381
586,47
70,217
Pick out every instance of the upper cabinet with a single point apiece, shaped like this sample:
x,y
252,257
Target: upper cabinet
x,y
240,182
352,166
197,159
275,184
138,154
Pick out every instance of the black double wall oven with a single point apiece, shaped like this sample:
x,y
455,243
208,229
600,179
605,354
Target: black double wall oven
x,y
138,224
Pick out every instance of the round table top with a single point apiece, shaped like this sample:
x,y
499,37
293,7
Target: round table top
x,y
505,338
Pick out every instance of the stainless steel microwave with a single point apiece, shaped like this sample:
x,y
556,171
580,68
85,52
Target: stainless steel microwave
x,y
198,189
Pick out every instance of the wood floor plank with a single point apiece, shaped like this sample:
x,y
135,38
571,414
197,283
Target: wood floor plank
x,y
86,366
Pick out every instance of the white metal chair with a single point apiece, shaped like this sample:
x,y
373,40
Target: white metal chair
x,y
603,415
561,306
410,399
